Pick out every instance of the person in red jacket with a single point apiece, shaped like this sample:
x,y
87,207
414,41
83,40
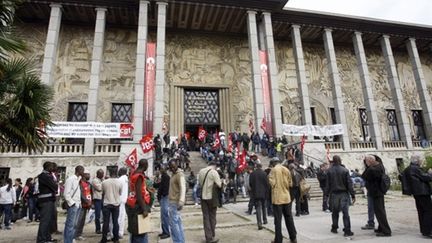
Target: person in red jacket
x,y
86,202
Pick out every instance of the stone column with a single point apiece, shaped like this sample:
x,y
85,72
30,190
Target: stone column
x,y
374,124
160,69
273,72
256,72
337,89
425,100
51,44
140,70
96,63
301,75
403,123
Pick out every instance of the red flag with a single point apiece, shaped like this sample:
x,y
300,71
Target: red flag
x,y
217,142
132,159
202,133
303,141
251,126
230,144
242,162
264,124
146,143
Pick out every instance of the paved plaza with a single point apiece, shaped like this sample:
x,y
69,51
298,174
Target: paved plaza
x,y
234,226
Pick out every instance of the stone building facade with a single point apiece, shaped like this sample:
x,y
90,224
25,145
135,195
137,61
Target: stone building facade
x,y
374,77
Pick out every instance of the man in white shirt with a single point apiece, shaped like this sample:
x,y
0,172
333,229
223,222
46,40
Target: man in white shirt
x,y
124,181
112,189
72,195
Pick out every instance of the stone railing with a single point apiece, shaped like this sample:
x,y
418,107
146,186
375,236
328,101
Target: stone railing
x,y
62,149
394,144
333,145
422,144
362,145
107,149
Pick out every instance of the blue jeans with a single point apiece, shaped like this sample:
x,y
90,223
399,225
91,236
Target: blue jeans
x,y
6,209
138,238
176,225
371,211
70,224
110,212
164,215
98,210
340,203
32,209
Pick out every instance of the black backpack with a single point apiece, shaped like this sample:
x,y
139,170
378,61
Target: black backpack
x,y
385,183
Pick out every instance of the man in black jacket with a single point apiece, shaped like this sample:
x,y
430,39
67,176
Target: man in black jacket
x,y
322,179
259,190
162,195
339,188
373,176
419,185
46,202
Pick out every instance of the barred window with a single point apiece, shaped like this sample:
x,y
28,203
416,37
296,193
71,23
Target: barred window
x,y
121,113
419,132
393,125
77,112
364,121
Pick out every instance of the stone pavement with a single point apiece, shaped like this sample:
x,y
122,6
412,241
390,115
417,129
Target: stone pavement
x,y
234,226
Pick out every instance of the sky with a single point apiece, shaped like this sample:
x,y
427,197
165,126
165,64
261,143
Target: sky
x,y
410,11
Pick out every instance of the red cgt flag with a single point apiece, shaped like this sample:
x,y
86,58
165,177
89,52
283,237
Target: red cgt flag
x,y
146,143
251,126
217,142
230,144
132,159
241,161
264,124
202,133
302,143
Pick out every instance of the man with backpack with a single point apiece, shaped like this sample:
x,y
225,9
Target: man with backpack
x,y
373,175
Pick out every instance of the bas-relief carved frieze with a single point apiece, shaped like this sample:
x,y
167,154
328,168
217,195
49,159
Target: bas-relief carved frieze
x,y
34,37
426,60
74,66
212,60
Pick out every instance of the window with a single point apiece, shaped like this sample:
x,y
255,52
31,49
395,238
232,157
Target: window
x,y
4,174
400,164
364,122
332,115
121,113
77,113
282,114
393,125
312,109
419,132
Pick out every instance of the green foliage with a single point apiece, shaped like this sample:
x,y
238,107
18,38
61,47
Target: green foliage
x,y
428,163
24,100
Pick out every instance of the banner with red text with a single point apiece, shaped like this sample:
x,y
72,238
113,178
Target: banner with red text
x,y
89,130
149,88
266,93
146,143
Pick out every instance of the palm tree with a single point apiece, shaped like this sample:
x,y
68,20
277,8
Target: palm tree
x,y
24,100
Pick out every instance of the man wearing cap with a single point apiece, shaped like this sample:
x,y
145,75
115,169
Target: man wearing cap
x,y
280,183
208,178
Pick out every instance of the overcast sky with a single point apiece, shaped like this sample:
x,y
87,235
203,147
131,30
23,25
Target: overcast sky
x,y
410,11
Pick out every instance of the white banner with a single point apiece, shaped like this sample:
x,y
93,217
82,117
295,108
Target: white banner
x,y
310,130
89,130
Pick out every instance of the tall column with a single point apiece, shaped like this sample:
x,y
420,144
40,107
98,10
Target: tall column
x,y
425,100
160,69
140,70
337,89
51,44
256,72
368,97
301,75
96,63
273,72
401,114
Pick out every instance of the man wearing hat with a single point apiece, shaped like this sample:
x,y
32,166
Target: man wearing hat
x,y
254,160
208,178
280,183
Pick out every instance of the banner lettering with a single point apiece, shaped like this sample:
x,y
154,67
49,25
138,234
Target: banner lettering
x,y
311,130
89,130
149,90
146,143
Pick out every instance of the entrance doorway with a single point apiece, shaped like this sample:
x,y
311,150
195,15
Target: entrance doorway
x,y
192,131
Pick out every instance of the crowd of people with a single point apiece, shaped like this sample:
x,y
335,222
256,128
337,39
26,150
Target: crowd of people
x,y
231,171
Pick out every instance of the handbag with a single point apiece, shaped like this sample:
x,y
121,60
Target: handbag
x,y
199,189
304,187
64,204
